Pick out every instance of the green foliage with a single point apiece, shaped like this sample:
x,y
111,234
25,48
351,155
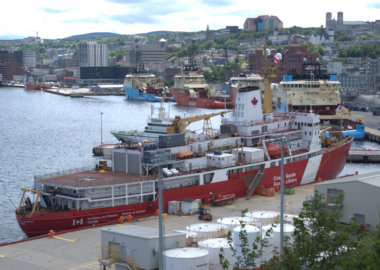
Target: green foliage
x,y
365,50
320,241
118,54
342,36
218,73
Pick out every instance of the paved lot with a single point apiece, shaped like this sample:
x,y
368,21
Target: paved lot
x,y
81,249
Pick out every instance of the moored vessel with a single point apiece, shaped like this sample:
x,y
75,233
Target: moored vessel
x,y
35,82
315,90
190,89
144,86
240,159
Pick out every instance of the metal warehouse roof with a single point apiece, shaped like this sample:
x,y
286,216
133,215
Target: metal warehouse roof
x,y
372,179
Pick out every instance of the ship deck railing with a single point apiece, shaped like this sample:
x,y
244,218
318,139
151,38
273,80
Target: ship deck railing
x,y
63,172
84,179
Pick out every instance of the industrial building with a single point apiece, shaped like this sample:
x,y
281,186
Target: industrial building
x,y
136,245
361,197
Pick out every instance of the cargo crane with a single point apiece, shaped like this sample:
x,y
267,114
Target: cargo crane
x,y
179,124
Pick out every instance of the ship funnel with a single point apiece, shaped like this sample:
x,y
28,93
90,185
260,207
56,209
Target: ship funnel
x,y
248,105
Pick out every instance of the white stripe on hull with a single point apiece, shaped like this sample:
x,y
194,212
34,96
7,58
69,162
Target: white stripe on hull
x,y
311,169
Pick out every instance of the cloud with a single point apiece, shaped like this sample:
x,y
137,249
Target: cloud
x,y
239,13
149,12
125,1
83,20
373,5
219,3
53,11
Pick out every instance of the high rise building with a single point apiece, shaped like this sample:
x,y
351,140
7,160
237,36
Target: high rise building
x,y
93,54
146,55
29,59
10,64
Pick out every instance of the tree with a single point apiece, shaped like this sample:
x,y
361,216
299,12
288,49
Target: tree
x,y
320,241
247,254
118,54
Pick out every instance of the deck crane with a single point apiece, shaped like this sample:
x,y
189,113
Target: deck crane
x,y
179,124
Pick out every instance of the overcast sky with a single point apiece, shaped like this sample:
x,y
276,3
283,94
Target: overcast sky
x,y
59,19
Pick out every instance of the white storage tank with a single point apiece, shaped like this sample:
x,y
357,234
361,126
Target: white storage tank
x,y
264,217
208,230
233,222
267,251
288,231
252,232
213,246
186,259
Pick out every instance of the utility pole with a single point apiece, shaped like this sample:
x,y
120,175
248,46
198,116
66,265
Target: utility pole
x,y
160,227
101,128
283,142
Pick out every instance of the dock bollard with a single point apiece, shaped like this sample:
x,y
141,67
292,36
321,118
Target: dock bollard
x,y
129,218
51,233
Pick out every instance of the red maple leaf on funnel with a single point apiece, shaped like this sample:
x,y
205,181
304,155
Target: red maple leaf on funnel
x,y
254,101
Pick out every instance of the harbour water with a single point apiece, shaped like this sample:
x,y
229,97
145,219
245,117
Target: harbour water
x,y
43,133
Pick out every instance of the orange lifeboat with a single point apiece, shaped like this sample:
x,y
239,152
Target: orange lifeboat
x,y
274,150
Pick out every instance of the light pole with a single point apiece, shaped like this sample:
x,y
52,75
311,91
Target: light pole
x,y
101,128
160,227
283,141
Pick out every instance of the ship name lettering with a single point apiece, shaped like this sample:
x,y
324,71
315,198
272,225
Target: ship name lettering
x,y
92,218
288,175
292,180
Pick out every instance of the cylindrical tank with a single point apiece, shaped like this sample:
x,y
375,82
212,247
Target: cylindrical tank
x,y
251,233
213,246
208,230
268,236
186,259
264,217
288,231
233,222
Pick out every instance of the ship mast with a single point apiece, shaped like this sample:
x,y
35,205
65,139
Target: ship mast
x,y
269,73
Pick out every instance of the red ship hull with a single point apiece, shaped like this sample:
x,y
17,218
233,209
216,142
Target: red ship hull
x,y
200,102
42,223
35,87
315,169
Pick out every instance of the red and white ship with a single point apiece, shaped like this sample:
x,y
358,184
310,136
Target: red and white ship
x,y
191,90
34,82
243,157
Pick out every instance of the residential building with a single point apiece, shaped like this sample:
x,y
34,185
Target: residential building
x,y
263,22
355,188
93,54
279,37
357,82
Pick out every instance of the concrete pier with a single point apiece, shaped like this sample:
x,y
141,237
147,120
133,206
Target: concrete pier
x,y
81,250
372,135
364,156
